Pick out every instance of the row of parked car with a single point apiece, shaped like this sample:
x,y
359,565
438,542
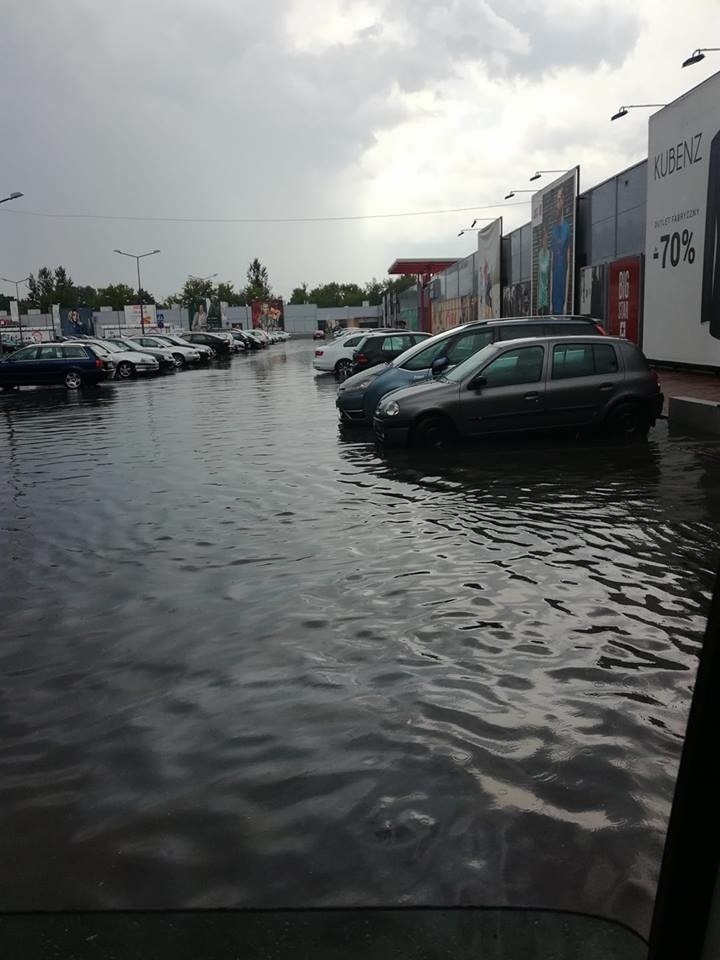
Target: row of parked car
x,y
492,376
82,360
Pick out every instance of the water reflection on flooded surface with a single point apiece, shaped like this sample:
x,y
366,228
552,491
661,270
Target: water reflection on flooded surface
x,y
251,660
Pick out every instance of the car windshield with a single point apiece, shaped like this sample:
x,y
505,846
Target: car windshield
x,y
109,346
470,366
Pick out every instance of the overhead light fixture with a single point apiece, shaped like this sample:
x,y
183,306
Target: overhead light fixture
x,y
539,173
623,111
698,55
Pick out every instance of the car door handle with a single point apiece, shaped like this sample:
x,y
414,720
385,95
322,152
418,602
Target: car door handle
x,y
531,396
606,386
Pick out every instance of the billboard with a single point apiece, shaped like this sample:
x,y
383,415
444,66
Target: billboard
x,y
76,321
625,279
553,245
592,292
488,263
682,239
132,315
268,314
198,311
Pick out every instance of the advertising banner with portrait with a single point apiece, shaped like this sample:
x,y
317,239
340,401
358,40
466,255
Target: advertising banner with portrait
x,y
268,314
682,237
592,292
199,311
488,264
624,298
553,245
76,321
516,299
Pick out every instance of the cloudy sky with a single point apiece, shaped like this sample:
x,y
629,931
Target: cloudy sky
x,y
240,109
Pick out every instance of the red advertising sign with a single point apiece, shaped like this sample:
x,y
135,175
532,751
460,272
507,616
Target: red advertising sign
x,y
624,299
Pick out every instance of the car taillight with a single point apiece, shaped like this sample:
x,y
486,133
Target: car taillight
x,y
361,358
600,329
319,353
655,377
99,363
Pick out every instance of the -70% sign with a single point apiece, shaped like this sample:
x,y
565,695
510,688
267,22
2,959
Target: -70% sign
x,y
677,245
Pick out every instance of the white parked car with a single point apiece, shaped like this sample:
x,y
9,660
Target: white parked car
x,y
164,357
172,340
128,363
337,355
183,355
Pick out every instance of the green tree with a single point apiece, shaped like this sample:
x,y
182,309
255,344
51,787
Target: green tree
x,y
227,293
300,294
192,291
116,295
337,295
258,282
64,288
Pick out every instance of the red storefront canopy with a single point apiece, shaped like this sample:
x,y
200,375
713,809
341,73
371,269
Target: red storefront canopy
x,y
423,268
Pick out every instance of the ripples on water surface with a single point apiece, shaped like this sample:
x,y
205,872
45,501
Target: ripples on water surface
x,y
247,661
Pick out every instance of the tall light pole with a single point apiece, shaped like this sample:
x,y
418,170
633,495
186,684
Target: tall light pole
x,y
622,111
138,257
17,300
13,196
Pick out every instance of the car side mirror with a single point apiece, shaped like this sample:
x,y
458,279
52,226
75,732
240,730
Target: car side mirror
x,y
439,364
477,383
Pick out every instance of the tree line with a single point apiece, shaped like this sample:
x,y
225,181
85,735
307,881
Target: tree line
x,y
51,286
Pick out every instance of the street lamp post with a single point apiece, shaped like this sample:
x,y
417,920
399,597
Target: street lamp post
x,y
513,192
15,195
699,54
17,300
138,257
622,111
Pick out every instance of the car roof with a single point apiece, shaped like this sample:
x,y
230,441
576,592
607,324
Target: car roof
x,y
563,338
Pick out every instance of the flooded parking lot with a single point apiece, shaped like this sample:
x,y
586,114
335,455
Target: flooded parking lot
x,y
250,660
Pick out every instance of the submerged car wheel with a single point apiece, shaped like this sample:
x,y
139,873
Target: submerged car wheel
x,y
432,431
629,420
343,369
179,360
73,380
125,370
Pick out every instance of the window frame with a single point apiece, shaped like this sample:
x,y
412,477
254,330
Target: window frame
x,y
586,346
505,353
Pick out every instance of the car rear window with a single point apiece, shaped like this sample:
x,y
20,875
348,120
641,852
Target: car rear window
x,y
353,341
583,360
395,344
73,351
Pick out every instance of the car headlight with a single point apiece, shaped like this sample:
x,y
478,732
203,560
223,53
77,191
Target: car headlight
x,y
389,409
356,387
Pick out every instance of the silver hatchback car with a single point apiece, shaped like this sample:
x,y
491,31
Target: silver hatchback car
x,y
532,384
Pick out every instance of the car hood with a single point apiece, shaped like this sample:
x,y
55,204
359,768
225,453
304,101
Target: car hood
x,y
425,392
363,377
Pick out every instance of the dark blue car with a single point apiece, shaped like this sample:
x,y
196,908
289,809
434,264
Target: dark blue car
x,y
359,395
75,364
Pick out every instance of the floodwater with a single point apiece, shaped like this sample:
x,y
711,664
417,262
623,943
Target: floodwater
x,y
250,661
